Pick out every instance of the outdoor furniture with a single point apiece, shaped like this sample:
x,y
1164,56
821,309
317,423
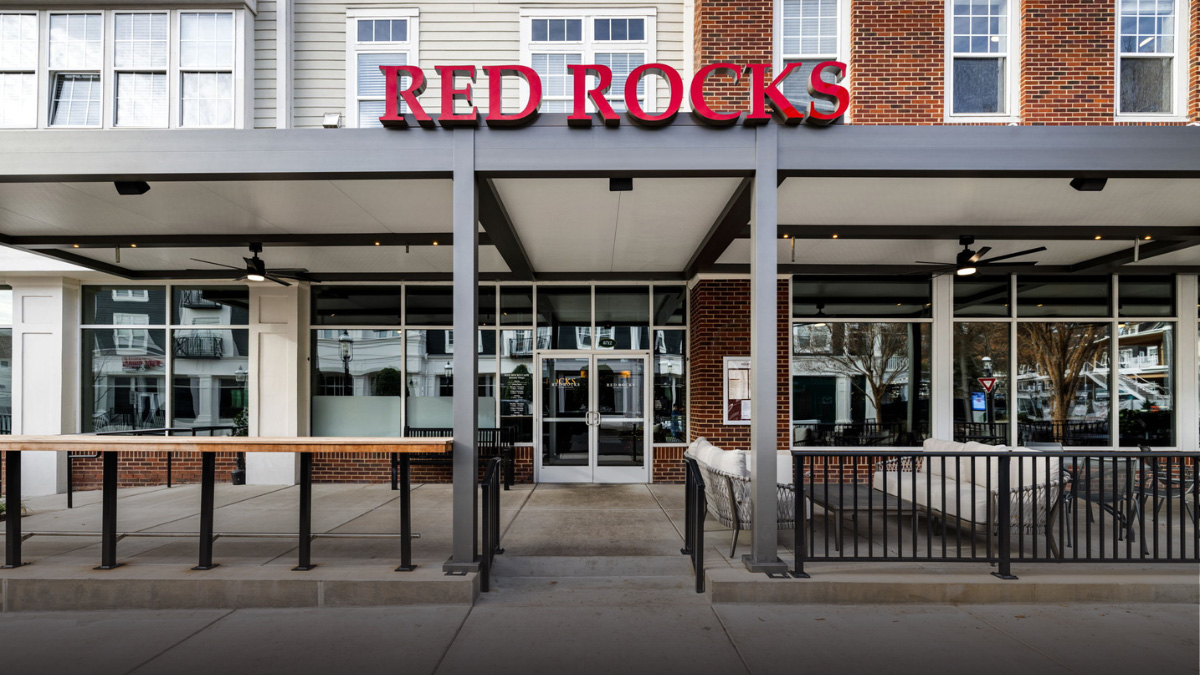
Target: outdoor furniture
x,y
726,475
838,498
207,446
492,442
1166,480
965,493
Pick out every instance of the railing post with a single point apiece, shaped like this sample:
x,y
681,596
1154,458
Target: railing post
x,y
798,519
12,521
208,470
305,561
688,497
1004,518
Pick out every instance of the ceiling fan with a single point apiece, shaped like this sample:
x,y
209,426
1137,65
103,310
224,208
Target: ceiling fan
x,y
256,269
969,262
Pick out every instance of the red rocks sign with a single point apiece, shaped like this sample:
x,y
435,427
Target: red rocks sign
x,y
766,99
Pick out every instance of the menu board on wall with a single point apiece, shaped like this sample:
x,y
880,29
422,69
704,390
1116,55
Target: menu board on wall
x,y
516,394
737,390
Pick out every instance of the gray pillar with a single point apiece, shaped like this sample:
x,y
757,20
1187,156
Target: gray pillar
x,y
466,359
764,320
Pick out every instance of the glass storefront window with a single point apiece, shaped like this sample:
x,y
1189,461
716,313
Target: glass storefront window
x,y
210,372
1063,383
670,305
862,298
357,383
622,317
124,376
670,387
356,305
1146,296
110,305
429,306
220,305
1064,296
981,352
982,297
860,384
487,305
1145,391
516,383
516,305
564,317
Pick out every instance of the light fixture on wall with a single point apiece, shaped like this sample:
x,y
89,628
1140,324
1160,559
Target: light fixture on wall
x,y
449,369
241,374
346,351
332,120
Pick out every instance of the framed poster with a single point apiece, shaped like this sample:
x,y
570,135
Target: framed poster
x,y
737,390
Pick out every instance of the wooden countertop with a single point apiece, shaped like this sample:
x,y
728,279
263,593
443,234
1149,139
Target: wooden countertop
x,y
94,443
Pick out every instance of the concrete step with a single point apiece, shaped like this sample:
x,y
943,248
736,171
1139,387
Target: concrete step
x,y
506,566
603,591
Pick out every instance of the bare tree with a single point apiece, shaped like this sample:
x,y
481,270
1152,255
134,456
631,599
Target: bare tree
x,y
1061,352
878,352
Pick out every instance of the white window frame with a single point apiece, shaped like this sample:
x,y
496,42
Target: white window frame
x,y
130,340
1180,65
130,295
588,47
780,59
1012,72
38,66
242,45
354,48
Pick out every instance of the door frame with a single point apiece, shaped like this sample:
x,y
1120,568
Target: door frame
x,y
588,473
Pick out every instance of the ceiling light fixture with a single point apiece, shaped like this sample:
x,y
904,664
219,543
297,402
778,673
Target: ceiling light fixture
x,y
1097,237
1089,184
835,236
132,187
820,314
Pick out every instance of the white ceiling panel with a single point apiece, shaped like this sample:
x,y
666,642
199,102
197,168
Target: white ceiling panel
x,y
908,251
578,225
1156,203
404,205
1188,256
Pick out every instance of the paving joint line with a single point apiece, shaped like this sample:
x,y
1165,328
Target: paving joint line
x,y
182,640
729,636
1032,648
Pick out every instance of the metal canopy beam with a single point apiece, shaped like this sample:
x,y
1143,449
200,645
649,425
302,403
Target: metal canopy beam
x,y
983,232
917,270
494,218
1113,261
728,225
239,239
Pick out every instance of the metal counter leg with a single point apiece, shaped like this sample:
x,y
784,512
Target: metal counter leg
x,y
208,471
305,513
108,517
12,523
406,563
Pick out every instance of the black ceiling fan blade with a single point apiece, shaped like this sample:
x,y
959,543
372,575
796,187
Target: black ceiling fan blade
x,y
941,269
209,262
1007,264
926,262
290,273
277,280
1006,256
980,253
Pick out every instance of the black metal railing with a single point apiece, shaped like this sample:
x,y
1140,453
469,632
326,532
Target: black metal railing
x,y
199,347
695,511
856,434
997,507
231,429
490,488
1094,433
492,442
990,433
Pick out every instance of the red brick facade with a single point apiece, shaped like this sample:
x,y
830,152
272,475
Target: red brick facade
x,y
720,326
897,71
735,32
1067,80
140,469
1194,69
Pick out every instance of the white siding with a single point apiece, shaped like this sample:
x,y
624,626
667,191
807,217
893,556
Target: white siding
x,y
264,65
452,32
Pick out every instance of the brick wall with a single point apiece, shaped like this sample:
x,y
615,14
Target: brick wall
x,y
720,327
731,31
1067,74
668,465
897,62
1194,70
139,469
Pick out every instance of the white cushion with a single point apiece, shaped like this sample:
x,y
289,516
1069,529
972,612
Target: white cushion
x,y
1027,471
959,497
783,465
732,462
934,464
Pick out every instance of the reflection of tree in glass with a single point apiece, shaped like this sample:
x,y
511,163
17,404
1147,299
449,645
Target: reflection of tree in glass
x,y
972,342
879,352
388,382
1061,352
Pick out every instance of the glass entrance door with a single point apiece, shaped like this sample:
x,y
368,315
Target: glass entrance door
x,y
593,419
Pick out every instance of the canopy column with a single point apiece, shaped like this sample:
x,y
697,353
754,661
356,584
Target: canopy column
x,y
764,363
465,551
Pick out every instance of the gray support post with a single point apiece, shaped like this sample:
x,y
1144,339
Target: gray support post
x,y
465,553
764,321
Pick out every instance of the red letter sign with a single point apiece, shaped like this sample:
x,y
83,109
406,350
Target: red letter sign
x,y
580,118
496,117
416,87
700,107
759,94
826,91
449,118
674,88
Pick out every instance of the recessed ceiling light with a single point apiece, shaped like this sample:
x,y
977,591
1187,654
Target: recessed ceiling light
x,y
1097,237
133,246
435,243
1146,238
377,243
835,236
74,245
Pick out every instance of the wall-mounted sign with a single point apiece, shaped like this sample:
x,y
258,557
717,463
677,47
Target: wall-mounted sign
x,y
737,390
606,343
591,83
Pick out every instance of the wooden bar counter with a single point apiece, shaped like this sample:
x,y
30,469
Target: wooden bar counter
x,y
208,446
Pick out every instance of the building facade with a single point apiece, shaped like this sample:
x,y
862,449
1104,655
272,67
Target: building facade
x,y
614,326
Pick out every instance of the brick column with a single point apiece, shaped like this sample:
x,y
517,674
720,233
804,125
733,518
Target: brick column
x,y
1067,67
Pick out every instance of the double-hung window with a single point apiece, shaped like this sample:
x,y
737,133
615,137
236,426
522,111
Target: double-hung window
x,y
206,55
18,70
374,39
1148,41
76,60
811,33
981,65
622,40
140,50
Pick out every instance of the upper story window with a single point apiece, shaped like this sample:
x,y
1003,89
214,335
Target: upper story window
x,y
982,67
141,69
811,32
375,38
553,39
1148,41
